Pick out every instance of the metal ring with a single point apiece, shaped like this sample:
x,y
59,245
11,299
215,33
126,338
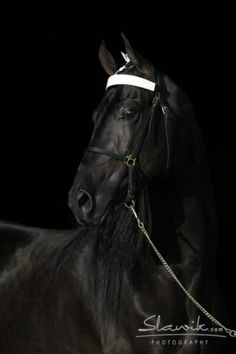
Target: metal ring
x,y
232,333
129,160
129,203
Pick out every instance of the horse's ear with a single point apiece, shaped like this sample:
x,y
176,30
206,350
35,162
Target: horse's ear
x,y
106,59
139,62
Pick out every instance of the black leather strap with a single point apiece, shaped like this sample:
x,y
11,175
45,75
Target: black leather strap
x,y
105,152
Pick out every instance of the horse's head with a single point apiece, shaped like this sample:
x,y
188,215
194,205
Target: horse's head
x,y
131,140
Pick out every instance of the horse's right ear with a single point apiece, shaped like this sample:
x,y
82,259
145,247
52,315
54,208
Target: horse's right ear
x,y
106,59
141,64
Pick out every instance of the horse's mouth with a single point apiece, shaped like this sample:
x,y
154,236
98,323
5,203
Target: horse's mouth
x,y
103,218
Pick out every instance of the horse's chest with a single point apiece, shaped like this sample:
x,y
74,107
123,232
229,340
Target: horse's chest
x,y
158,305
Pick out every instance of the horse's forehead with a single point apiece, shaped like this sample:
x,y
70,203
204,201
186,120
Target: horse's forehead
x,y
125,92
130,92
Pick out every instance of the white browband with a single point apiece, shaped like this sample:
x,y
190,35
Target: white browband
x,y
123,79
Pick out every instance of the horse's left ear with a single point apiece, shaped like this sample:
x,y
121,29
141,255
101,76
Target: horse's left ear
x,y
106,59
138,61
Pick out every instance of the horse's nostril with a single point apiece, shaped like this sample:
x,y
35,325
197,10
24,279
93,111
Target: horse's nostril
x,y
85,201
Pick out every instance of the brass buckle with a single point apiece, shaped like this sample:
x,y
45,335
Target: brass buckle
x,y
130,160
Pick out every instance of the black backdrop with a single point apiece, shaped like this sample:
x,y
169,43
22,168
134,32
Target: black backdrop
x,y
52,81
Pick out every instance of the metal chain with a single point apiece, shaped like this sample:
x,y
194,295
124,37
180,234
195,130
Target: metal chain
x,y
230,332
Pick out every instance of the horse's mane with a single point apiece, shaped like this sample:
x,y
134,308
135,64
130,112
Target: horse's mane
x,y
189,176
118,254
190,161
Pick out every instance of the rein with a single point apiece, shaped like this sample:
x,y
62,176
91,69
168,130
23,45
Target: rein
x,y
130,160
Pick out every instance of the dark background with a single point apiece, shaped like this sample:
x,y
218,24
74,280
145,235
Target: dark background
x,y
51,81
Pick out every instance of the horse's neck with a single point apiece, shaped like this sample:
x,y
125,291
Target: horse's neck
x,y
164,218
183,209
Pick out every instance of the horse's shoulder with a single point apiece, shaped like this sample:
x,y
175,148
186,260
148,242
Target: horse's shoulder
x,y
15,236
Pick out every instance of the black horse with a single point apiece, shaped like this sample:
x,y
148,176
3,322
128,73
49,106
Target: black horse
x,y
99,287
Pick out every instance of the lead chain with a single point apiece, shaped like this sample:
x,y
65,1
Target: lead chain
x,y
230,332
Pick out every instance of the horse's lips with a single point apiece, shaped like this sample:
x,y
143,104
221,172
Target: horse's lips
x,y
103,217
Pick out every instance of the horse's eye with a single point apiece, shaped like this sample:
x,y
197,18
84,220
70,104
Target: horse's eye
x,y
128,113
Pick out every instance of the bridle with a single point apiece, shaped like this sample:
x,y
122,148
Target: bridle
x,y
131,159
